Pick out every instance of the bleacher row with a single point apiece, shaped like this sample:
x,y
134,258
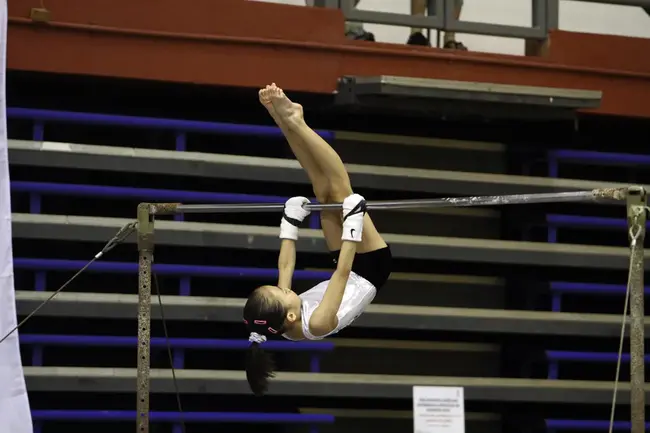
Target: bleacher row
x,y
55,209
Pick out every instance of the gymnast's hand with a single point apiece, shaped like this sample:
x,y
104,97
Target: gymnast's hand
x,y
354,209
294,214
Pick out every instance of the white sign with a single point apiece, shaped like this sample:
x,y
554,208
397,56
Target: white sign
x,y
438,409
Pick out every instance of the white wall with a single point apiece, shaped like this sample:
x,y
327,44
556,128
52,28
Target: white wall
x,y
574,15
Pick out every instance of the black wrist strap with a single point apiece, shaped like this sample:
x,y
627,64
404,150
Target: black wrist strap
x,y
292,221
360,208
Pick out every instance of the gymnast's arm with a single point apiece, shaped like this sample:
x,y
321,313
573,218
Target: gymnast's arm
x,y
293,215
286,263
323,319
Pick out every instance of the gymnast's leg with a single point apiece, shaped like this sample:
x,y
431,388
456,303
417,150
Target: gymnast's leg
x,y
337,182
316,177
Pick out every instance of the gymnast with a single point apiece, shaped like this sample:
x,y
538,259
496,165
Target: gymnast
x,y
361,256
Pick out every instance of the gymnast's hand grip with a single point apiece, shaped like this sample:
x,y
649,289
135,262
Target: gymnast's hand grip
x,y
354,209
294,214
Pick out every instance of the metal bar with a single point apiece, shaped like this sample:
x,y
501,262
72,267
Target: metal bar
x,y
565,355
393,19
35,203
491,200
605,158
437,9
552,14
556,302
151,123
590,288
448,15
81,190
636,213
38,131
539,15
145,249
207,417
40,281
181,141
185,285
451,24
640,3
551,231
571,424
161,342
165,269
583,222
329,4
490,29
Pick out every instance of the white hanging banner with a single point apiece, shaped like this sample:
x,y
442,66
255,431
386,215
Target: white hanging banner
x,y
438,409
15,416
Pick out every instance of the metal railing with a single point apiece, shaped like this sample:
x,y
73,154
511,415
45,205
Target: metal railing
x,y
555,356
179,418
545,17
178,345
557,425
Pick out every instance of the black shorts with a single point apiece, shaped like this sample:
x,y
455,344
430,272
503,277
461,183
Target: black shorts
x,y
374,266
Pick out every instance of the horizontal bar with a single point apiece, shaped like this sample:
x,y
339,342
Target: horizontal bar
x,y
571,424
163,194
177,343
582,221
593,288
492,29
608,158
640,3
394,19
563,355
560,197
164,269
139,193
149,122
235,417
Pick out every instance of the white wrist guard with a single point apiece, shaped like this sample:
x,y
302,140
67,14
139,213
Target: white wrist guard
x,y
288,230
354,210
294,214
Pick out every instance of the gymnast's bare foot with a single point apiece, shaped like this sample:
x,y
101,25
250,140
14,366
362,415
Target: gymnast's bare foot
x,y
288,111
265,99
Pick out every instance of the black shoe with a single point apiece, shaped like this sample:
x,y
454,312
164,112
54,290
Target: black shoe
x,y
360,35
455,45
418,39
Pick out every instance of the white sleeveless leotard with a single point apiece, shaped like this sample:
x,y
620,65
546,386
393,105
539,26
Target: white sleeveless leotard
x,y
358,294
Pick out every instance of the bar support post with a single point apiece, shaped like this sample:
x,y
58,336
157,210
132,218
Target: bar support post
x,y
636,218
145,260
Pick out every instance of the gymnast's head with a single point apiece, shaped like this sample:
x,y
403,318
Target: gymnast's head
x,y
269,310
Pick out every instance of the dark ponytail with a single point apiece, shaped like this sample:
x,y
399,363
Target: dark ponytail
x,y
264,316
259,368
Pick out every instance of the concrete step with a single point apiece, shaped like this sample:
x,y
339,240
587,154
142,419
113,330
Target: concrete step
x,y
437,290
395,421
373,356
420,152
452,222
